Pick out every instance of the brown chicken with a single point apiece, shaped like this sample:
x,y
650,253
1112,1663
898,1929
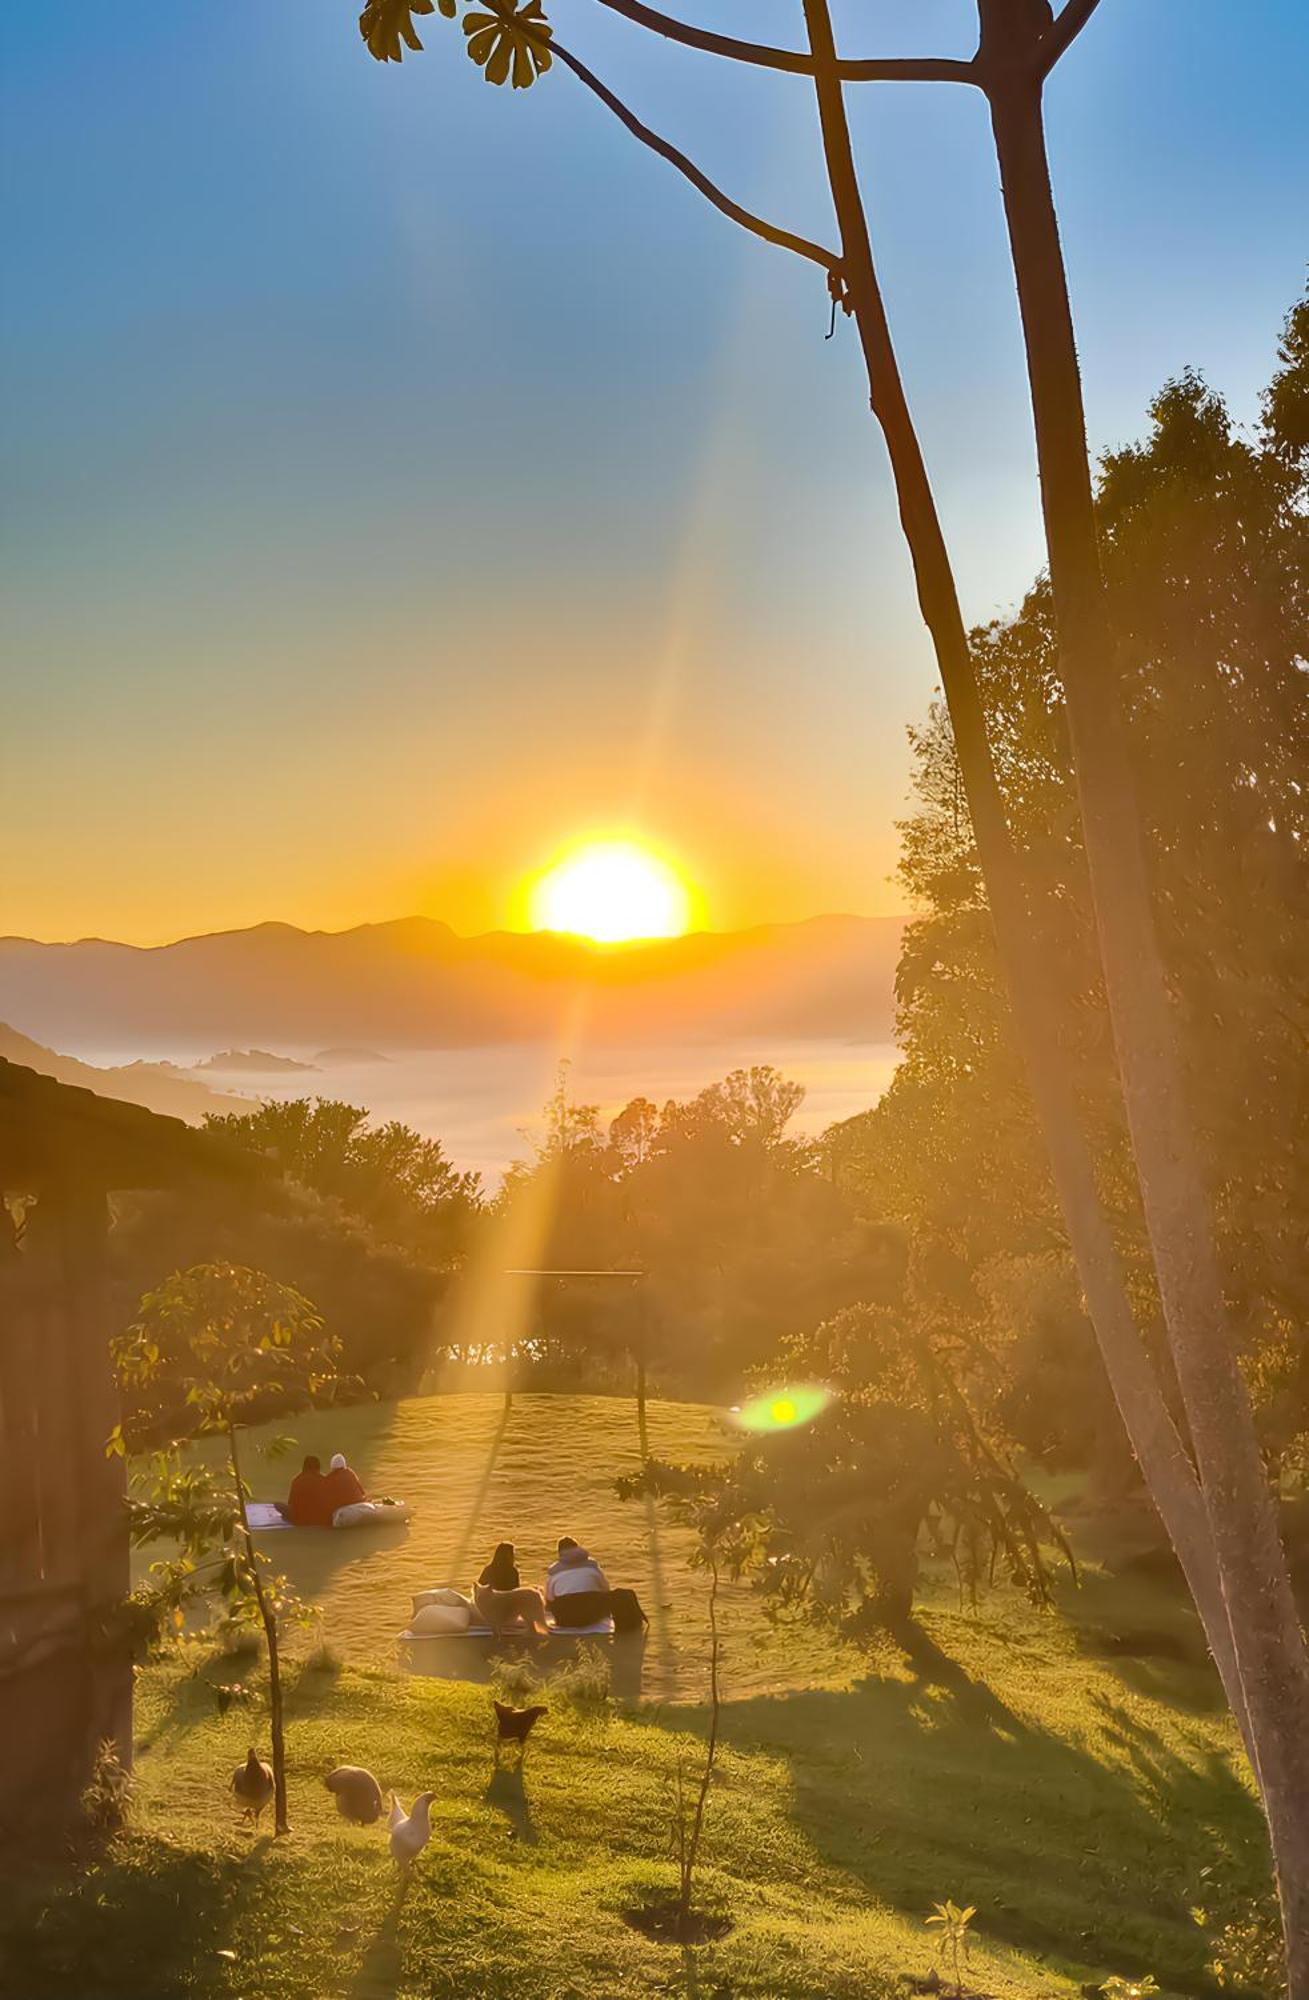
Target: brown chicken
x,y
515,1725
253,1784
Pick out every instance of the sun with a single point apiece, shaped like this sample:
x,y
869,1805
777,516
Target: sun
x,y
611,891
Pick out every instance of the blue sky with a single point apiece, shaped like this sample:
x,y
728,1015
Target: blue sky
x,y
404,476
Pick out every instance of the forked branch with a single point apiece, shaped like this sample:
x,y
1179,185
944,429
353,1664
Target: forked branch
x,y
893,69
1067,26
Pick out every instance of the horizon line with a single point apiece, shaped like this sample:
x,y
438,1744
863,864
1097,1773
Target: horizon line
x,y
608,948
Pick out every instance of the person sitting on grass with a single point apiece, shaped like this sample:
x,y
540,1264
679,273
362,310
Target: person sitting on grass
x,y
576,1588
344,1486
307,1504
500,1597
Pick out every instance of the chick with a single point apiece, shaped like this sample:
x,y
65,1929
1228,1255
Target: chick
x,y
253,1784
410,1832
515,1725
357,1792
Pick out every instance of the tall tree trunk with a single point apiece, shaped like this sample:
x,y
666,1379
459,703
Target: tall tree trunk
x,y
276,1711
1269,1643
1036,1004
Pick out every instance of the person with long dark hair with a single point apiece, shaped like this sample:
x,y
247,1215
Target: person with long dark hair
x,y
502,1600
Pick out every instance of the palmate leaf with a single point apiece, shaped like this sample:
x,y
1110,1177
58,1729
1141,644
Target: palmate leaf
x,y
387,26
508,43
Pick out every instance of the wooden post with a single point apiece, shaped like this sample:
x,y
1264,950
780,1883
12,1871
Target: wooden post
x,y
101,1481
642,1346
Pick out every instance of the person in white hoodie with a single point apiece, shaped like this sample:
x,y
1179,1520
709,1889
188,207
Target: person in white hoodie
x,y
576,1588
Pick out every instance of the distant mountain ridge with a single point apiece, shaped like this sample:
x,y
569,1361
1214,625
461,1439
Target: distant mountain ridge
x,y
414,983
157,1086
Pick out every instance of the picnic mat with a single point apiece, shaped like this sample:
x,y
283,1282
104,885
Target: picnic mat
x,y
602,1629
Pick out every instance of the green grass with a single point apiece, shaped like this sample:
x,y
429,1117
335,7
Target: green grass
x,y
1027,1763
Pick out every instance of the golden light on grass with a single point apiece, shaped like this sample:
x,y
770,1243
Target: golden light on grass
x,y
784,1409
612,890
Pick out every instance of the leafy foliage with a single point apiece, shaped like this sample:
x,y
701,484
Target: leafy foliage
x,y
377,1300
738,1227
509,43
387,26
507,39
952,1923
399,1185
1206,541
1247,1952
829,1518
231,1342
108,1791
227,1339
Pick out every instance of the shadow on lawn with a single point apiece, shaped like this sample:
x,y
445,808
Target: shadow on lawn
x,y
507,1793
929,1786
147,1922
378,1977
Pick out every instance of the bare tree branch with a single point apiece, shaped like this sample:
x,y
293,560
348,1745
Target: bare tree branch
x,y
783,238
894,69
1069,24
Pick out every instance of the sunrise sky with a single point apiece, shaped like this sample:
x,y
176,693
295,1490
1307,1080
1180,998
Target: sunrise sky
x,y
409,477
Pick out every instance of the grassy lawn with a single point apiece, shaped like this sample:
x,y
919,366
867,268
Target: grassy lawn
x,y
1071,1775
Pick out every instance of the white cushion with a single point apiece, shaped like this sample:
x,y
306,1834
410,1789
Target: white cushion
x,y
432,1619
443,1593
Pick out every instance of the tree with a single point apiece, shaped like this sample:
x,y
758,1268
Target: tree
x,y
381,1302
1018,48
1221,1521
400,1185
229,1338
827,1509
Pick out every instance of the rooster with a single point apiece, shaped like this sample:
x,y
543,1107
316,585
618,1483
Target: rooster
x,y
253,1784
515,1725
410,1832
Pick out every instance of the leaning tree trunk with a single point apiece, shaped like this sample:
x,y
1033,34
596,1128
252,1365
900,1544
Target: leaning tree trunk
x,y
1269,1643
1164,1462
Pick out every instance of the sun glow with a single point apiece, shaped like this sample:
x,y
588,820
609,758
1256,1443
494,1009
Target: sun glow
x,y
611,890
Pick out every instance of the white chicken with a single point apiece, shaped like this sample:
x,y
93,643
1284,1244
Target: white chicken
x,y
410,1832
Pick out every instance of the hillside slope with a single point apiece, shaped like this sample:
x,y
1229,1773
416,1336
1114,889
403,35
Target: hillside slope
x,y
156,1086
1074,1793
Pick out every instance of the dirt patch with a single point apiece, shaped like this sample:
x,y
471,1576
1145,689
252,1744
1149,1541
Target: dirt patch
x,y
662,1923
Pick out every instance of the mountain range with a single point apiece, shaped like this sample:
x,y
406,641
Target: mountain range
x,y
158,1086
413,983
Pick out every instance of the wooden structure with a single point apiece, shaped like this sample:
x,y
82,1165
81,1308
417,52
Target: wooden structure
x,y
65,1672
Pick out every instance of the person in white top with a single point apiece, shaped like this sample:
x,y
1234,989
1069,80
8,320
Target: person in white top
x,y
576,1588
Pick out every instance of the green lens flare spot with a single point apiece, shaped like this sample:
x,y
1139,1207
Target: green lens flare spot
x,y
784,1409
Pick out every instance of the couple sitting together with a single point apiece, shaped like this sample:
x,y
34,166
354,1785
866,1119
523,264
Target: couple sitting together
x,y
317,1498
577,1591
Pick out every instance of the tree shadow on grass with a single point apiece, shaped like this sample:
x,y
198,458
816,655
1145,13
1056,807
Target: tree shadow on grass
x,y
928,1786
142,1920
507,1793
378,1977
193,1698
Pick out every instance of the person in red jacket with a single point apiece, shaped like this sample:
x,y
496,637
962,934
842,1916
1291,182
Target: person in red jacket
x,y
343,1487
307,1504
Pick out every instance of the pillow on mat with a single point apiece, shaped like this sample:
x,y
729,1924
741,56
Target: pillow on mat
x,y
370,1514
443,1594
434,1620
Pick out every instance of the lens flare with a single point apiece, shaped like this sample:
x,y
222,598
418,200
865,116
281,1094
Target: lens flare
x,y
784,1409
